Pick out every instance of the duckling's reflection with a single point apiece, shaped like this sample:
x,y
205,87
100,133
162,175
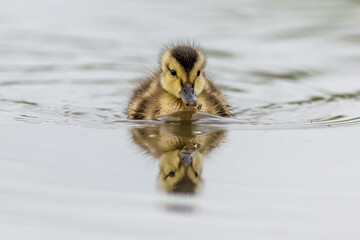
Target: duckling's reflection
x,y
180,150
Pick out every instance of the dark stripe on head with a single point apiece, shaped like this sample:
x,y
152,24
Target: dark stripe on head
x,y
186,56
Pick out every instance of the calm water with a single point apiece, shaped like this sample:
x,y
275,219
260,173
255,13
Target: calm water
x,y
284,167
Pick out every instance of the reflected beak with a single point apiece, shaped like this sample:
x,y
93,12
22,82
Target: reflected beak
x,y
188,96
186,155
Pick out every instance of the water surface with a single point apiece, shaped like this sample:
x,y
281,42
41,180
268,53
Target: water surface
x,y
285,166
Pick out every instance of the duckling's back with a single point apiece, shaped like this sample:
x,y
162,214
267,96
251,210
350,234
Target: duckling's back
x,y
143,97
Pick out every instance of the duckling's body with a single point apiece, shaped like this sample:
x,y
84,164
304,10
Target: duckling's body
x,y
179,85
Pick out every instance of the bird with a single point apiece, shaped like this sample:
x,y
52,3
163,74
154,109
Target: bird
x,y
179,84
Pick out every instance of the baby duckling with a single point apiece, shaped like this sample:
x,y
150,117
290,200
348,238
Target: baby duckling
x,y
179,85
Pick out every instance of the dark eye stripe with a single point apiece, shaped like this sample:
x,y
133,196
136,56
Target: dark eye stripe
x,y
198,73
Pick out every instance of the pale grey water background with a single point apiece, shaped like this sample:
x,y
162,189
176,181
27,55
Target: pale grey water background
x,y
288,167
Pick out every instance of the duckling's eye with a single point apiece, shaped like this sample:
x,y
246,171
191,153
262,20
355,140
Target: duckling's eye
x,y
198,73
171,174
196,174
173,72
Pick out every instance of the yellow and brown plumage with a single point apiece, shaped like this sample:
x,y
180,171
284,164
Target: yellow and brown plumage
x,y
179,85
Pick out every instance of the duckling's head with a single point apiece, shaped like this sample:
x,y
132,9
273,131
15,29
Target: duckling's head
x,y
182,72
180,170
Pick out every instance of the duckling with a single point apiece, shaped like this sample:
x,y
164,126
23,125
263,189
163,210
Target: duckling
x,y
180,153
180,84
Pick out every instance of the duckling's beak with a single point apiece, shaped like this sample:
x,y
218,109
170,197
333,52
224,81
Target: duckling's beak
x,y
187,154
188,95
